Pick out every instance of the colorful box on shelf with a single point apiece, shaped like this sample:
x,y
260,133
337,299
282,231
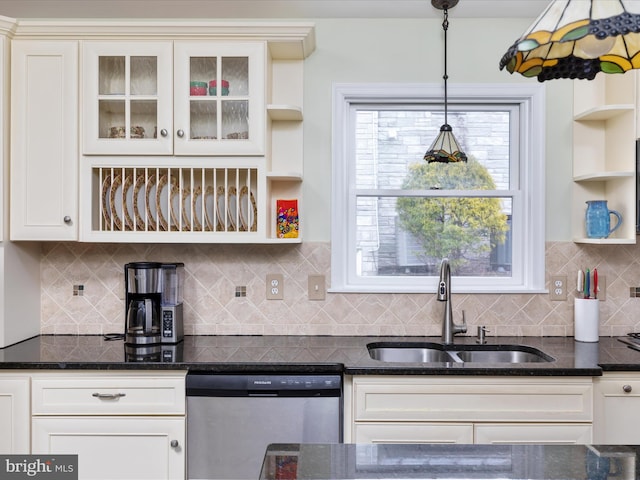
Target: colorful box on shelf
x,y
198,88
224,87
288,221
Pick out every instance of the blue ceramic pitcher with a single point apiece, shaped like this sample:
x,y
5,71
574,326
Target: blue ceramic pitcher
x,y
598,219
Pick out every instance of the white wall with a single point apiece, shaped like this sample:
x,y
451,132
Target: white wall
x,y
411,50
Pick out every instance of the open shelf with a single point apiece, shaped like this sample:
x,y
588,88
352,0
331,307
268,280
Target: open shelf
x,y
603,113
603,176
604,153
605,241
284,113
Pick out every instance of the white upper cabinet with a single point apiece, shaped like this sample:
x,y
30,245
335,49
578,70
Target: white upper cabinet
x,y
127,98
44,140
174,98
219,92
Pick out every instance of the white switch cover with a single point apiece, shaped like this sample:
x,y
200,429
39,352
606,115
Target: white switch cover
x,y
316,287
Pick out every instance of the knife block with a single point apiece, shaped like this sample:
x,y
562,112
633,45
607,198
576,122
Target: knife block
x,y
586,317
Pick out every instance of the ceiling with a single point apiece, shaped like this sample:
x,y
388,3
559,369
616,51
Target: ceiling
x,y
284,9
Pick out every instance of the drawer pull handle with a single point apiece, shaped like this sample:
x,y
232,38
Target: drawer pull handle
x,y
174,444
108,396
627,388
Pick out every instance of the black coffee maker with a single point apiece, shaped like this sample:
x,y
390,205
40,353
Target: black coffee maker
x,y
143,303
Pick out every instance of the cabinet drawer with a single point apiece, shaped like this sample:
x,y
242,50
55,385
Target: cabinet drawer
x,y
462,399
109,394
413,433
559,433
613,385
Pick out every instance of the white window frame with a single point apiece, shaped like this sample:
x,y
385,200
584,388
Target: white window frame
x,y
528,198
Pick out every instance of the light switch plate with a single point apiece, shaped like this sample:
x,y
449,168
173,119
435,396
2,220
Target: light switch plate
x,y
275,286
317,287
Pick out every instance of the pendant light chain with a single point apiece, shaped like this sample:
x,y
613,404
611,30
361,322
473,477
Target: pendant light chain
x,y
445,77
445,148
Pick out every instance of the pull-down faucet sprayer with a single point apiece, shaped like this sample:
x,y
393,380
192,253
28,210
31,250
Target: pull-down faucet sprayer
x,y
449,328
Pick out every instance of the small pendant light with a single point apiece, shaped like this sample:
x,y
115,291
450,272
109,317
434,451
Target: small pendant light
x,y
445,148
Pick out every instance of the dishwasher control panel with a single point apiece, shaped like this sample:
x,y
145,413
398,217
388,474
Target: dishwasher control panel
x,y
207,384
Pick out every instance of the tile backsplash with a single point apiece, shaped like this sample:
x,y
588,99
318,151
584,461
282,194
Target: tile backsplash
x,y
214,272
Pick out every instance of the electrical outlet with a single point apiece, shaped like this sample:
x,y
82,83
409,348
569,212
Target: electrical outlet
x,y
558,288
275,286
316,287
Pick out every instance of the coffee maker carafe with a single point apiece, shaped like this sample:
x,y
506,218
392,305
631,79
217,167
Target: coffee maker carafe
x,y
143,303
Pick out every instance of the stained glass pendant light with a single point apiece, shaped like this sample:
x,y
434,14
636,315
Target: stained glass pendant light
x,y
578,39
445,148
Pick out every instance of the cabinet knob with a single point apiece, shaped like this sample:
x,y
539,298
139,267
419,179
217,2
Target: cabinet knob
x,y
174,444
164,132
67,219
181,133
627,388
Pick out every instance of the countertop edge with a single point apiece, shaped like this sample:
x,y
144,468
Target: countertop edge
x,y
282,354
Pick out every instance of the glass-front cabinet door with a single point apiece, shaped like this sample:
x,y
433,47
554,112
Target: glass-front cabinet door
x,y
219,98
127,95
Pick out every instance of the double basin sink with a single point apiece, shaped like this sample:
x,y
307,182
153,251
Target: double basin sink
x,y
431,352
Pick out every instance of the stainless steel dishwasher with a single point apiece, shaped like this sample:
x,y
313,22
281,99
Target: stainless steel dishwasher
x,y
232,418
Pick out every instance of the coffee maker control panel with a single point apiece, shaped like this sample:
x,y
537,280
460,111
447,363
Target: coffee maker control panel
x,y
167,323
172,297
172,328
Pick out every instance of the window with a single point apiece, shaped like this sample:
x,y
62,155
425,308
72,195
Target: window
x,y
394,217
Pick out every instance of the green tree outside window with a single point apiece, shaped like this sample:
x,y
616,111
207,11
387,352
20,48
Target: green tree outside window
x,y
460,228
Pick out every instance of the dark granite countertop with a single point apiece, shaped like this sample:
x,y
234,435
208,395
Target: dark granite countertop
x,y
430,461
308,354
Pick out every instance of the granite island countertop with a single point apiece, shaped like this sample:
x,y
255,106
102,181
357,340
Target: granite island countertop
x,y
308,354
431,461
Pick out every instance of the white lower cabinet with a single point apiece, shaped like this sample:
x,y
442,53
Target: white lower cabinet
x,y
14,414
391,409
132,424
121,425
616,407
115,447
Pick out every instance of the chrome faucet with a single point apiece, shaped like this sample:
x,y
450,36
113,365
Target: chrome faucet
x,y
449,328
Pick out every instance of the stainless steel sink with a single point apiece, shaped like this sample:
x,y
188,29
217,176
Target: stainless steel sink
x,y
512,354
428,352
413,353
